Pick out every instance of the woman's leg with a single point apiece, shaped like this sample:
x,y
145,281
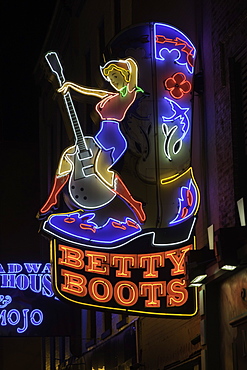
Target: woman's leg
x,y
58,184
122,191
111,137
60,180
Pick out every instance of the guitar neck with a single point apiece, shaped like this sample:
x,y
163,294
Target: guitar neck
x,y
56,68
79,137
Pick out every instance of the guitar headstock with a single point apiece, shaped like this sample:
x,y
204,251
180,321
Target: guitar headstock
x,y
55,66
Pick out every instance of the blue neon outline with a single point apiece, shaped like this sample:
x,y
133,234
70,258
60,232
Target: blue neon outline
x,y
185,126
20,276
36,323
18,316
93,224
176,59
41,282
184,110
25,321
151,233
32,267
111,148
181,199
159,57
28,275
6,300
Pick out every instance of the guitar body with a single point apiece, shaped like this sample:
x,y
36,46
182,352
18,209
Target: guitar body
x,y
91,181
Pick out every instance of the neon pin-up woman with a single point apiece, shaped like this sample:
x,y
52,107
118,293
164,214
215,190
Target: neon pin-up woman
x,y
87,164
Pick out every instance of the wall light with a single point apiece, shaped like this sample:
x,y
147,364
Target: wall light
x,y
241,212
197,281
196,265
228,267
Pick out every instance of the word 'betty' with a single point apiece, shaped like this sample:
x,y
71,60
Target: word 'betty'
x,y
100,262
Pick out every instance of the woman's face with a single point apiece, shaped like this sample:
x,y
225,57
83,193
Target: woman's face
x,y
117,79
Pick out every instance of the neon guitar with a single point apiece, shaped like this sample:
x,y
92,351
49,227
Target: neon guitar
x,y
90,179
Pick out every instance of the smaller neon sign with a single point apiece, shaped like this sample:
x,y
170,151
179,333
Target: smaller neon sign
x,y
30,277
28,302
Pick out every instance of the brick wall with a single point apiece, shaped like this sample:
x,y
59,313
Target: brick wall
x,y
166,341
228,19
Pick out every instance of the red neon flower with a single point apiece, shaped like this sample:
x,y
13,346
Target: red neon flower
x,y
177,85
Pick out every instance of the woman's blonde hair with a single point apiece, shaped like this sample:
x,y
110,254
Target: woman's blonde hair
x,y
120,66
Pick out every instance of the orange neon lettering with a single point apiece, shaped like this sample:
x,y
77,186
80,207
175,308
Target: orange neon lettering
x,y
152,261
118,225
177,257
177,292
87,227
126,293
124,262
98,262
69,220
152,290
74,283
106,290
189,197
188,49
132,224
184,212
71,257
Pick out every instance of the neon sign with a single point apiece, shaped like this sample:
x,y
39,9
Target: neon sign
x,y
177,85
33,276
29,276
82,229
100,279
14,317
129,189
176,41
27,299
178,121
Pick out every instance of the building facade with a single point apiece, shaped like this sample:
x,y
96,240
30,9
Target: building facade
x,y
215,337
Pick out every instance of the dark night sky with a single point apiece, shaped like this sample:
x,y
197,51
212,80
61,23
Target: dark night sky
x,y
25,26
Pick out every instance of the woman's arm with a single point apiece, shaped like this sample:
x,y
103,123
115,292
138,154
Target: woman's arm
x,y
82,90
